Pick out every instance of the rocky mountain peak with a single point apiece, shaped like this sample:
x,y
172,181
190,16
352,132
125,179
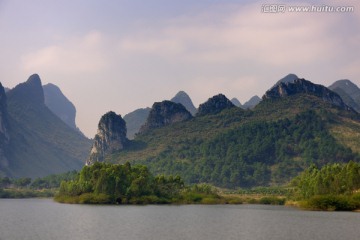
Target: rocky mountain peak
x,y
183,98
253,101
303,86
348,91
347,86
30,91
110,137
59,104
236,102
165,113
214,105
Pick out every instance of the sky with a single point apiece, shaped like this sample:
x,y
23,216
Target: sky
x,y
121,55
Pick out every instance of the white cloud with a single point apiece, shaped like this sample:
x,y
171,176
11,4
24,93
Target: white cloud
x,y
78,55
232,49
245,33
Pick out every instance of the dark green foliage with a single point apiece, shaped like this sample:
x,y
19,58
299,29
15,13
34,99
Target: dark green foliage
x,y
333,179
332,203
54,180
333,187
112,183
272,201
254,154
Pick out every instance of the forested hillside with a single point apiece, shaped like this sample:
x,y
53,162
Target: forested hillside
x,y
244,148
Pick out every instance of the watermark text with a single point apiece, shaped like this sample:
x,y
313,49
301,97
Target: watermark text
x,y
282,8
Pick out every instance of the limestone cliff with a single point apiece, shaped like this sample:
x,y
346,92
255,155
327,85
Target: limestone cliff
x,y
110,137
303,86
214,105
165,113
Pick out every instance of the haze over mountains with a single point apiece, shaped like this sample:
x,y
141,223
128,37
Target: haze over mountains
x,y
297,123
38,134
34,141
59,104
348,91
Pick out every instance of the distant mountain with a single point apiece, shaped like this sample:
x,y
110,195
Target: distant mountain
x,y
40,143
303,86
290,78
214,105
59,104
349,92
297,124
236,102
165,113
110,137
255,100
183,98
134,120
4,131
7,89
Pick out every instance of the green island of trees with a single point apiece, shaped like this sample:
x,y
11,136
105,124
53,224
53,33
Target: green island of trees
x,y
105,183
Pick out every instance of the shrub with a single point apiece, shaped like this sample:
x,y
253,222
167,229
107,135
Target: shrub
x,y
331,203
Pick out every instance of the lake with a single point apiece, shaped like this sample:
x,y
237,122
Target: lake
x,y
37,219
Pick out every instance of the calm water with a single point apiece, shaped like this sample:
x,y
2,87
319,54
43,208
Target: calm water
x,y
36,219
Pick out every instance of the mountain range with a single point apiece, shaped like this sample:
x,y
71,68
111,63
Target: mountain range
x,y
135,119
297,123
34,141
262,142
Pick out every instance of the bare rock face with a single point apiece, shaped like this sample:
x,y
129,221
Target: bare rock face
x,y
165,113
214,105
110,137
299,86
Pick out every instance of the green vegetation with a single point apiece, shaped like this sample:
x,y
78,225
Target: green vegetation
x,y
105,183
333,187
40,187
255,153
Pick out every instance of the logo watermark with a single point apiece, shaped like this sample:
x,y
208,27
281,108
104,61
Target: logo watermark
x,y
282,8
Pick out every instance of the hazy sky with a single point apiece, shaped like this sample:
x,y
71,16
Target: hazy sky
x,y
126,54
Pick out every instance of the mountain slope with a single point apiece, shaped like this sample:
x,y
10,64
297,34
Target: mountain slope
x,y
40,142
268,145
349,92
236,102
134,120
4,131
59,104
253,101
183,98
